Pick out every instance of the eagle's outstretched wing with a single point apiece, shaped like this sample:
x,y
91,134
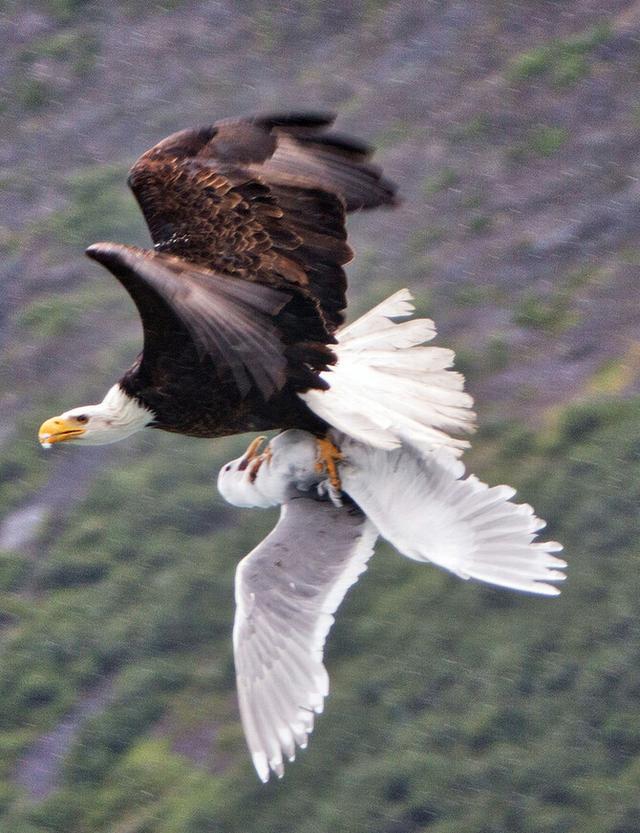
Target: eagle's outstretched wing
x,y
264,336
261,198
287,590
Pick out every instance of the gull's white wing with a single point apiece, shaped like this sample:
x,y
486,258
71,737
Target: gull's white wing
x,y
287,590
423,507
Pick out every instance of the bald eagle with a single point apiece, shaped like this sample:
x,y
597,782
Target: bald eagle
x,y
244,289
243,294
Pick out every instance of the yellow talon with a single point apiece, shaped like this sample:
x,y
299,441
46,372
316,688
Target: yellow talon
x,y
328,457
253,459
254,468
252,450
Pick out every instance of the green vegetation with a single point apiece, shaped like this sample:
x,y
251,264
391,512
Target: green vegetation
x,y
477,128
266,29
473,295
49,317
32,94
59,315
543,140
424,239
552,314
396,132
67,11
9,243
475,364
480,223
498,354
13,571
20,465
442,181
614,376
562,62
494,718
630,255
43,66
75,47
99,206
555,311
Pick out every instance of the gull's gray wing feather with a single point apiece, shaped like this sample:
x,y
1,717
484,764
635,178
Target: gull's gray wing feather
x,y
287,590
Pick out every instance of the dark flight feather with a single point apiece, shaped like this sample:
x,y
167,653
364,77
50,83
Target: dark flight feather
x,y
230,321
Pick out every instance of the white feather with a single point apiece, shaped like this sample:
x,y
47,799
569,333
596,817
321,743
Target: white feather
x,y
423,508
287,591
387,389
398,305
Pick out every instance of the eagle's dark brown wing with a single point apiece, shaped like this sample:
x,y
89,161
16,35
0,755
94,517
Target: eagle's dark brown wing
x,y
262,335
262,199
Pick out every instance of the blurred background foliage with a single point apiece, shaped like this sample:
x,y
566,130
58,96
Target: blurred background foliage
x,y
513,130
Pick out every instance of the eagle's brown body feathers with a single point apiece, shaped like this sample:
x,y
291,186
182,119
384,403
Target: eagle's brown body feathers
x,y
245,287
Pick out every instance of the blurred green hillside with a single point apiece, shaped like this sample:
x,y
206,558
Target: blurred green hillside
x,y
513,131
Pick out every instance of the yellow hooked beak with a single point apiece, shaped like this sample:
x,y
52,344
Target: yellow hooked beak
x,y
57,430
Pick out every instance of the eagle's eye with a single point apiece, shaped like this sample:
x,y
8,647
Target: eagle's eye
x,y
82,418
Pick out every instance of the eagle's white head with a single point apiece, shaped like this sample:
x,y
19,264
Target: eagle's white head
x,y
116,417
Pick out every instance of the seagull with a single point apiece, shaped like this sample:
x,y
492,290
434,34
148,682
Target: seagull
x,y
289,587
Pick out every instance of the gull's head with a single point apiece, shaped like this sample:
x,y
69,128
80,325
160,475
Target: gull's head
x,y
116,417
269,477
237,479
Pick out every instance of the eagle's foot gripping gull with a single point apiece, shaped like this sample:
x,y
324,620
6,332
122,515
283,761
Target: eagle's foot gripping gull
x,y
328,457
289,587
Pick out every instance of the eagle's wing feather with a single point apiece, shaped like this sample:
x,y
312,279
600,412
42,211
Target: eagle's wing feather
x,y
262,199
247,328
287,590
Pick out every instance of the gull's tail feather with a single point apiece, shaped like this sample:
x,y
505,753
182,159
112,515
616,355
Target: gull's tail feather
x,y
424,508
387,388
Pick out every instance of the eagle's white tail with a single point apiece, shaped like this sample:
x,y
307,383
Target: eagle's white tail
x,y
387,388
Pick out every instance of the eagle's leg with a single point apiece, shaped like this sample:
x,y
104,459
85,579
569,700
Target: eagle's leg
x,y
327,459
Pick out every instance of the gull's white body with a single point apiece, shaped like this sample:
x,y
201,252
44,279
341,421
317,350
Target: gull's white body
x,y
288,588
